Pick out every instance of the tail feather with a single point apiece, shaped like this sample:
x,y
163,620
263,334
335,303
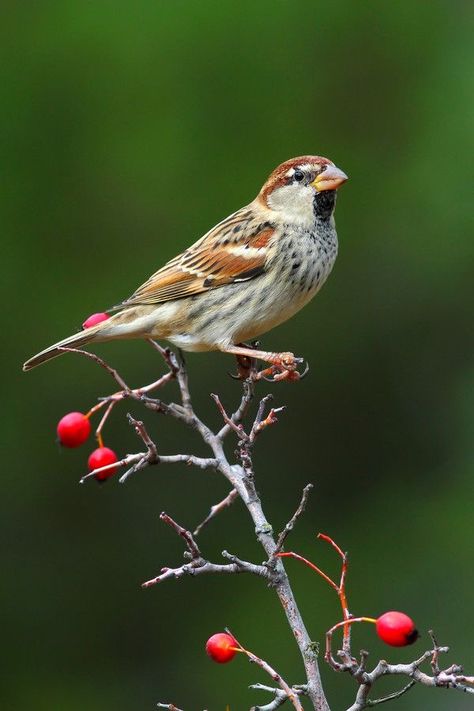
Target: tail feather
x,y
137,322
76,341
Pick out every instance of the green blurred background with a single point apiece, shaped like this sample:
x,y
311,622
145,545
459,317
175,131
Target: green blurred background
x,y
127,130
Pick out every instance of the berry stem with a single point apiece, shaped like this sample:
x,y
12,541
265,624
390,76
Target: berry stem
x,y
346,624
297,556
113,399
341,589
328,539
98,432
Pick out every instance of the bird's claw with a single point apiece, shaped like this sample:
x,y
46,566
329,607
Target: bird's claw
x,y
245,367
284,368
305,371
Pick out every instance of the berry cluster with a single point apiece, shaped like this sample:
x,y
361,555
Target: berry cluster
x,y
74,428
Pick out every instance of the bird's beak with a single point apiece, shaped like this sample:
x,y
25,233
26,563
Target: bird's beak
x,y
331,178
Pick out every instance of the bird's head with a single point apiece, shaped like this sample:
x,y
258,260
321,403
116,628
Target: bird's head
x,y
303,189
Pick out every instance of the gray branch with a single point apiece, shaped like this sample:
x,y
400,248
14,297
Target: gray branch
x,y
197,565
450,678
240,476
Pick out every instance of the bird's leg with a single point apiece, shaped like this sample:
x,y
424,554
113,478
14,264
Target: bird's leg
x,y
246,365
283,365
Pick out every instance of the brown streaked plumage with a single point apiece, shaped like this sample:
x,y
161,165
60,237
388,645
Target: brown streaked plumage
x,y
249,273
214,260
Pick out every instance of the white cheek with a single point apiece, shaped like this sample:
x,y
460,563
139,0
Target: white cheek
x,y
294,202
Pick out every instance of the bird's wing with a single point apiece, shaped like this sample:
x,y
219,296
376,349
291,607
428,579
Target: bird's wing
x,y
235,250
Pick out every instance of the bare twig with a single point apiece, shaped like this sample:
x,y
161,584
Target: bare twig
x,y
217,508
291,523
189,459
231,424
279,696
177,370
390,697
260,423
141,460
204,567
244,566
279,699
141,431
167,355
290,693
236,417
111,371
130,459
197,565
187,536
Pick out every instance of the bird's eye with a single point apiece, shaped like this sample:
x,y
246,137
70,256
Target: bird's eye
x,y
298,175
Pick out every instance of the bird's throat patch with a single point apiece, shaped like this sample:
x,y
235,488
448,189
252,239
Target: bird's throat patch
x,y
323,204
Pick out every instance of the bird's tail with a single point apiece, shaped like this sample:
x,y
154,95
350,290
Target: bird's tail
x,y
76,341
135,322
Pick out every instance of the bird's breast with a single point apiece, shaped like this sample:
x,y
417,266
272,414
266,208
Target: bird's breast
x,y
304,260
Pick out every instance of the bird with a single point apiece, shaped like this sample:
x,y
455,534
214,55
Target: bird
x,y
251,272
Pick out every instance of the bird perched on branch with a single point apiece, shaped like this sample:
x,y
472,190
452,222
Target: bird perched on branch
x,y
249,273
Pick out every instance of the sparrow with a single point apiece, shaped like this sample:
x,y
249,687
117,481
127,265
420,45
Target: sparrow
x,y
248,274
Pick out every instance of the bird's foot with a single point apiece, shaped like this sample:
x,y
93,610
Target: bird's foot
x,y
284,366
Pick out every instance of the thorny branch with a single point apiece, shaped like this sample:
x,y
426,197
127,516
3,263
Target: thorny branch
x,y
240,476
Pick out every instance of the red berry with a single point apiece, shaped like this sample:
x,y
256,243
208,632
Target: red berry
x,y
221,647
73,429
396,629
94,319
101,457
